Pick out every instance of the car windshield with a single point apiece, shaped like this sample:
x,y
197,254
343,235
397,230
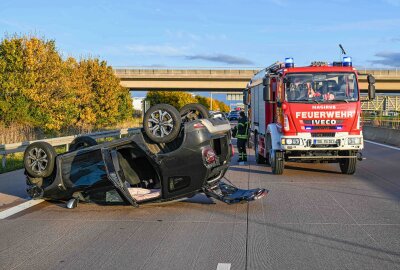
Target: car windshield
x,y
321,87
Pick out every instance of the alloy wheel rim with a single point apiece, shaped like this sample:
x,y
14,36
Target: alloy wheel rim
x,y
161,123
37,160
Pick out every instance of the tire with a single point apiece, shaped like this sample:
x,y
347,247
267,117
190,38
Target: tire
x,y
82,142
348,165
268,143
259,158
193,111
167,129
39,159
277,161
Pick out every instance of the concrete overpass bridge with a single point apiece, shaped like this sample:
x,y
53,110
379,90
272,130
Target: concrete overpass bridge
x,y
224,79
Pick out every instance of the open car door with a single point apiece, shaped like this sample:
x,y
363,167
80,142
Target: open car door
x,y
115,176
231,194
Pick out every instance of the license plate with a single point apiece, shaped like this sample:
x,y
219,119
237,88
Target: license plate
x,y
325,141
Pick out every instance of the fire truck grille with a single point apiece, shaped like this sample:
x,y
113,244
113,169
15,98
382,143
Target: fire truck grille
x,y
328,134
310,122
323,127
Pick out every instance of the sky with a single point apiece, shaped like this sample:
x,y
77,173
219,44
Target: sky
x,y
218,33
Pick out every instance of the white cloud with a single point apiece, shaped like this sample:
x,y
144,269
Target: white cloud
x,y
221,58
391,59
184,35
160,50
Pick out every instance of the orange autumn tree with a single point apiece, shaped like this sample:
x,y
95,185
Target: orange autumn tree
x,y
40,89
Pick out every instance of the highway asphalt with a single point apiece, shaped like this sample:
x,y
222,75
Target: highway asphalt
x,y
313,218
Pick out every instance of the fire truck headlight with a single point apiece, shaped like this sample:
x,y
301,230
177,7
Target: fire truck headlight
x,y
296,141
354,141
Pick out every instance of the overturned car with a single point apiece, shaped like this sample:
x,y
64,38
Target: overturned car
x,y
175,155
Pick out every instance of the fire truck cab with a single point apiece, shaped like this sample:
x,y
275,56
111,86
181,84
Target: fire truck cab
x,y
306,114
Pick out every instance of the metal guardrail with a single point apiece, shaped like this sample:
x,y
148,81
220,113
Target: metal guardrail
x,y
382,122
6,149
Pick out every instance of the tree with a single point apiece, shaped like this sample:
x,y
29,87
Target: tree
x,y
217,105
32,83
222,106
79,84
40,89
111,102
174,98
14,106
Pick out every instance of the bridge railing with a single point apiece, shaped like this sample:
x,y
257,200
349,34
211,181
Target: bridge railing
x,y
120,72
381,103
7,149
395,72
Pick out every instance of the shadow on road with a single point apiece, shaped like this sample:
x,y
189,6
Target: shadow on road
x,y
247,169
298,168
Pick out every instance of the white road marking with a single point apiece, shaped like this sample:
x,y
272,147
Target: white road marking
x,y
21,207
384,145
224,266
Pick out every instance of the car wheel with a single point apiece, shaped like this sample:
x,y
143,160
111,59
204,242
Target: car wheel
x,y
39,159
162,123
193,111
82,142
269,146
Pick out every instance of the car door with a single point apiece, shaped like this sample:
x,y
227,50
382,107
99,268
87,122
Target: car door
x,y
114,175
230,194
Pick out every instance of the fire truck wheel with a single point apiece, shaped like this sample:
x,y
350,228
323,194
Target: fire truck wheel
x,y
277,161
269,146
348,165
259,158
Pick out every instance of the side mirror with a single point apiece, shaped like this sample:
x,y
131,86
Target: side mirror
x,y
245,95
267,89
266,81
370,79
371,87
267,93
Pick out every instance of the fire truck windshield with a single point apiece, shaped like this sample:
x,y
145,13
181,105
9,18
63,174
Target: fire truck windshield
x,y
321,87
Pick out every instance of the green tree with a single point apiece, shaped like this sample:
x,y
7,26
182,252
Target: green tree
x,y
32,83
174,98
203,101
14,105
40,89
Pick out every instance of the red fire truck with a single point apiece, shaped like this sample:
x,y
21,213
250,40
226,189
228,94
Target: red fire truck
x,y
307,114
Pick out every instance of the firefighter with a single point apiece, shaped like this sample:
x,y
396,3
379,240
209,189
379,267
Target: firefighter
x,y
242,131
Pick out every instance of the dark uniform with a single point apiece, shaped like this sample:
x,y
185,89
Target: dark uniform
x,y
242,134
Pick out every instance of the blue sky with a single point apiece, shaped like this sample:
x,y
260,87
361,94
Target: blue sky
x,y
213,33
